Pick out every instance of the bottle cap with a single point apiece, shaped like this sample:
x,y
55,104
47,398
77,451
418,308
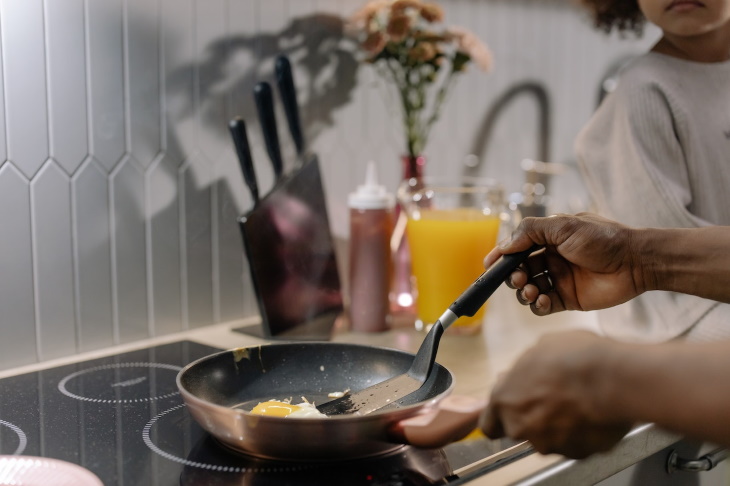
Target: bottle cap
x,y
371,195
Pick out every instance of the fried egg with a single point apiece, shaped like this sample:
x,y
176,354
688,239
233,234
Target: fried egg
x,y
276,408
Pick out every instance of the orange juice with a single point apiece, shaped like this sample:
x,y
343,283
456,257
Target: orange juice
x,y
447,250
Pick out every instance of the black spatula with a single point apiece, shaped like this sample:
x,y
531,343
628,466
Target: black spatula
x,y
390,391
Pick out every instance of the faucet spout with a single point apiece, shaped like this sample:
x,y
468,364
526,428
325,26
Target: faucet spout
x,y
539,93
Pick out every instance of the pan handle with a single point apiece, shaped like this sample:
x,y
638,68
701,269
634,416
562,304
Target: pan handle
x,y
451,419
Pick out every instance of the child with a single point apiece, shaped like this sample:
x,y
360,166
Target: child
x,y
657,151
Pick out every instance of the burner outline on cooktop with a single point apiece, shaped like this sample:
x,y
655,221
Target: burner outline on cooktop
x,y
210,467
62,384
22,438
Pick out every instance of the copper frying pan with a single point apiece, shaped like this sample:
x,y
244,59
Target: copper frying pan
x,y
222,388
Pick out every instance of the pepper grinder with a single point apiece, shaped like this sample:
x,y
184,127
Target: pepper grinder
x,y
371,225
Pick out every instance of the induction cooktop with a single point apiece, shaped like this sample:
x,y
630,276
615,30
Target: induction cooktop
x,y
122,418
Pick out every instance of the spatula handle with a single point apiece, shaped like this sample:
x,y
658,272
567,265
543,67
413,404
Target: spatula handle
x,y
468,303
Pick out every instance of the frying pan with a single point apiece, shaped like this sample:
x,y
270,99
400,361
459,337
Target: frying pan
x,y
220,389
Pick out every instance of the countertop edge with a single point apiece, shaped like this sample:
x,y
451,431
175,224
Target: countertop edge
x,y
548,470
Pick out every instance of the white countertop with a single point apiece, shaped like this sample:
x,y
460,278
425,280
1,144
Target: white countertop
x,y
475,361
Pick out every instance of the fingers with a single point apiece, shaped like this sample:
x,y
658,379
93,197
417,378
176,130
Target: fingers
x,y
492,257
522,238
517,280
542,306
538,292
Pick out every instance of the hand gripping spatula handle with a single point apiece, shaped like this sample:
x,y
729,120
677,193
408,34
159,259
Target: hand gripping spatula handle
x,y
390,391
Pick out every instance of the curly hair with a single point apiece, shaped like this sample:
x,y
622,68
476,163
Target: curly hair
x,y
623,15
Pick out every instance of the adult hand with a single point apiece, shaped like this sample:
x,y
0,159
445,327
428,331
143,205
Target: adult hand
x,y
588,259
555,397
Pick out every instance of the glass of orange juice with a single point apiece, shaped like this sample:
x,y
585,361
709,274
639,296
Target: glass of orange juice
x,y
452,223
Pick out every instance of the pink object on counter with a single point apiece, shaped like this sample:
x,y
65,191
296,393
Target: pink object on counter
x,y
44,471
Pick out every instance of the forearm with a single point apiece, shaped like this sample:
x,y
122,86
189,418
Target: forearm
x,y
683,387
692,261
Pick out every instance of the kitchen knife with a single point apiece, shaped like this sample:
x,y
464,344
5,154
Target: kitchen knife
x,y
237,127
267,118
388,392
285,83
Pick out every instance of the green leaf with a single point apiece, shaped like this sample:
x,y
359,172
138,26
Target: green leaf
x,y
461,59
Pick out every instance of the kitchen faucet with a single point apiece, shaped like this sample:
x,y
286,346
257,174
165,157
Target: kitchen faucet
x,y
537,172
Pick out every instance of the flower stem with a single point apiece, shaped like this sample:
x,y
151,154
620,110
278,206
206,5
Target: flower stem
x,y
438,102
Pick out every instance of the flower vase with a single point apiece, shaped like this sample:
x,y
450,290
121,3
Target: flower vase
x,y
402,291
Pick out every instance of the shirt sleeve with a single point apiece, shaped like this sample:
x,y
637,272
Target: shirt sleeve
x,y
632,160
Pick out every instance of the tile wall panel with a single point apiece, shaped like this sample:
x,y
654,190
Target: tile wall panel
x,y
18,343
53,258
93,257
231,277
67,93
163,233
132,219
106,55
142,34
211,47
234,287
196,195
24,72
179,81
129,253
3,116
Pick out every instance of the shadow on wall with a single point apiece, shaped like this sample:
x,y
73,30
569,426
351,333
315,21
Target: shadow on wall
x,y
322,57
203,95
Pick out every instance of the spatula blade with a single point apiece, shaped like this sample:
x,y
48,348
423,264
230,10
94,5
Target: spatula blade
x,y
372,398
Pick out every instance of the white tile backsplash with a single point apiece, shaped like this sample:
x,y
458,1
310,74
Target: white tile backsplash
x,y
17,292
119,188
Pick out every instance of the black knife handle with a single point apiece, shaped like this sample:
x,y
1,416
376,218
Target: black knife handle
x,y
468,303
265,106
237,128
285,82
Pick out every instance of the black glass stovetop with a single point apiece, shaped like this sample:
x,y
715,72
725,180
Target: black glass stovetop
x,y
122,418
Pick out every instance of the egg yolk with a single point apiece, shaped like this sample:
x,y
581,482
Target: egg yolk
x,y
275,409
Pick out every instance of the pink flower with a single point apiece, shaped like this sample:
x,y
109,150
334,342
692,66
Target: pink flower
x,y
470,45
398,27
400,6
374,43
423,52
432,12
366,14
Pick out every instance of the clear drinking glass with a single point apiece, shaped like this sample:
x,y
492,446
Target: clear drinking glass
x,y
452,224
